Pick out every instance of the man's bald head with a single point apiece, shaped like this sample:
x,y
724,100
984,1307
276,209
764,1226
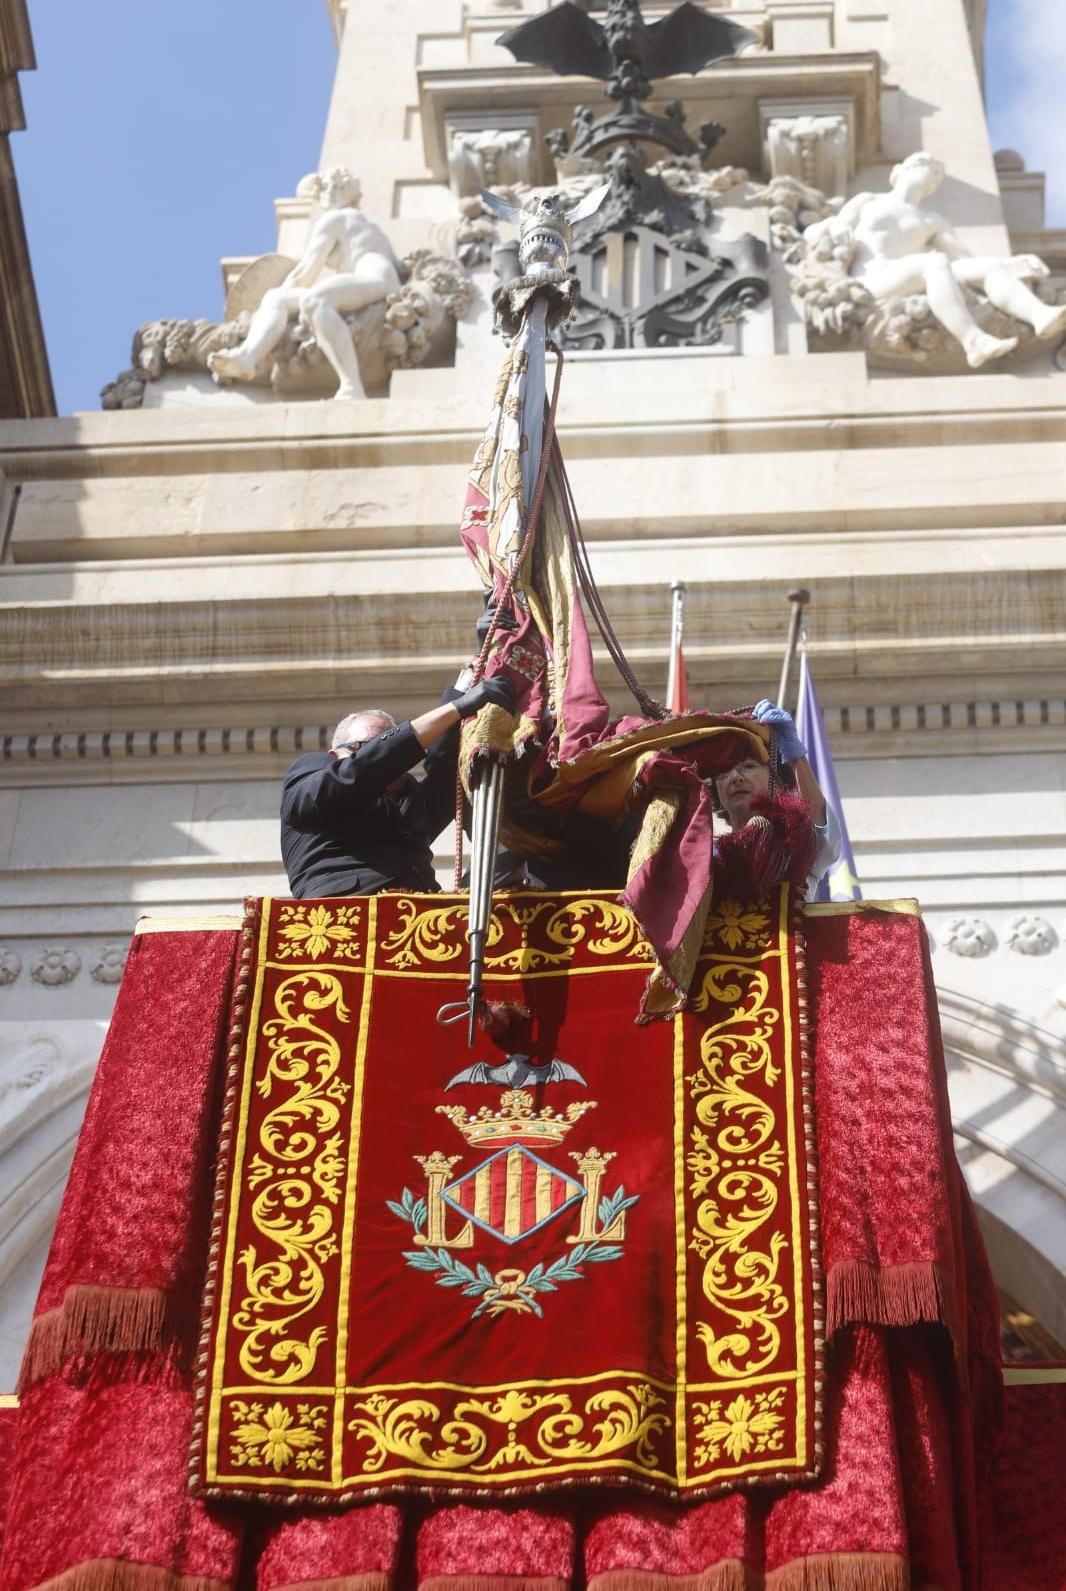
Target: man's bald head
x,y
360,727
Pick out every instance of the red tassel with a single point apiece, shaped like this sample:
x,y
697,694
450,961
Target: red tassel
x,y
776,843
507,1024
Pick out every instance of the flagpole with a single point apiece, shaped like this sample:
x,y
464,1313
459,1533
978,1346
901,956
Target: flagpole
x,y
799,599
677,626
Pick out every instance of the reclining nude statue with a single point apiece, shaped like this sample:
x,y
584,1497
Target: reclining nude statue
x,y
364,271
892,246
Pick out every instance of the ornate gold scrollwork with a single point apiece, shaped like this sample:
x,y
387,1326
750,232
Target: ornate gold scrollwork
x,y
630,1418
616,930
297,1169
437,934
735,1162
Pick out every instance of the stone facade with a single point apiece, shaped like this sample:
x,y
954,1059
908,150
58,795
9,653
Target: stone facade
x,y
195,589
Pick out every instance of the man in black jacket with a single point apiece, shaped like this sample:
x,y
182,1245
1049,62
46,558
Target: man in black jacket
x,y
354,820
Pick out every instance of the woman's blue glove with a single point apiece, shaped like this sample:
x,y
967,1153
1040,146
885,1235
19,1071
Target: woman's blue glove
x,y
789,745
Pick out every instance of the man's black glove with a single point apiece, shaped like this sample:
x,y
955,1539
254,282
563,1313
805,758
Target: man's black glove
x,y
505,622
495,691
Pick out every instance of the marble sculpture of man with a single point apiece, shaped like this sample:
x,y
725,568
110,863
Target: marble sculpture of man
x,y
360,269
899,247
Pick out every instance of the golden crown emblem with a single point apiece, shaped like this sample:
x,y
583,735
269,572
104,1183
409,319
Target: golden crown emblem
x,y
515,1122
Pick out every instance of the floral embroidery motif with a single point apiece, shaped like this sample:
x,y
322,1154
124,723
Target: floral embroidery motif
x,y
274,1438
745,1427
739,927
317,932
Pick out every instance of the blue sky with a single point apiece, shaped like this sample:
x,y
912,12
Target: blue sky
x,y
161,131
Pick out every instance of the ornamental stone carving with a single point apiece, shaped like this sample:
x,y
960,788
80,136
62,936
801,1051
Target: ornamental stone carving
x,y
655,227
489,157
886,271
477,231
969,936
814,149
1030,935
109,964
10,965
54,965
345,315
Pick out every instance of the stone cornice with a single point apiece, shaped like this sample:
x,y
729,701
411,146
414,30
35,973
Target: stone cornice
x,y
755,412
729,91
913,625
170,753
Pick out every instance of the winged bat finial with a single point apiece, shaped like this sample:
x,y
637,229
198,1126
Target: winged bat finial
x,y
517,1072
624,51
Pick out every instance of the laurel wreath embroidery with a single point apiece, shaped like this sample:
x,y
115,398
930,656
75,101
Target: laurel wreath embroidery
x,y
510,1289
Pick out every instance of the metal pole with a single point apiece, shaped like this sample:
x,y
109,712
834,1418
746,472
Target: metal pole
x,y
487,801
799,599
677,626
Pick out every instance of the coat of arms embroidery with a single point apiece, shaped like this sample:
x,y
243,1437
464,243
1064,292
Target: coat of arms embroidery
x,y
511,1194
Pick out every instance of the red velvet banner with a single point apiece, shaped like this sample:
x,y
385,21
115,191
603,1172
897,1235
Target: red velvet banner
x,y
97,1466
472,1272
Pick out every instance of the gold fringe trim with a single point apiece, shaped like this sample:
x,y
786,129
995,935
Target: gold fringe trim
x,y
114,1574
843,1571
858,1293
98,1320
344,1582
837,1571
729,1575
489,1582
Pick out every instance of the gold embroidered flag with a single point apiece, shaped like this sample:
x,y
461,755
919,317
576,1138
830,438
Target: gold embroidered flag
x,y
486,1272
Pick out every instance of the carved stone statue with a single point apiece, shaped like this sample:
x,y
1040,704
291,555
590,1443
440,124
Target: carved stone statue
x,y
886,270
398,332
364,271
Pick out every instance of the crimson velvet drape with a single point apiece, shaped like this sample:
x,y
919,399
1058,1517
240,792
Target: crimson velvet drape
x,y
923,1486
